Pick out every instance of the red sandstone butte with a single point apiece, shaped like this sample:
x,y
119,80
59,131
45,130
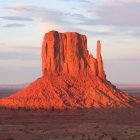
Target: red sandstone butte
x,y
67,54
71,78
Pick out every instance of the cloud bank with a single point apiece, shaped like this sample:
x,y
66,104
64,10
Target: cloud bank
x,y
16,18
14,25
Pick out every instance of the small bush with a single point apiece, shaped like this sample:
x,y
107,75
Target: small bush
x,y
52,108
114,138
73,136
96,126
10,139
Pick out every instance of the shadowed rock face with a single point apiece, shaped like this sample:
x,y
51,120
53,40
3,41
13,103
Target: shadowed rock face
x,y
71,79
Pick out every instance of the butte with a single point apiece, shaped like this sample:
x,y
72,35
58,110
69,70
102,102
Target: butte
x,y
71,79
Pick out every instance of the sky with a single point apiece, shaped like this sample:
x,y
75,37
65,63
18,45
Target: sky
x,y
23,24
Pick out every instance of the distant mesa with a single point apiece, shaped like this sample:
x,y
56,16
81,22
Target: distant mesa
x,y
71,79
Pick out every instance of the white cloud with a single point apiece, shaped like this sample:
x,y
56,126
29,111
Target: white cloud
x,y
18,6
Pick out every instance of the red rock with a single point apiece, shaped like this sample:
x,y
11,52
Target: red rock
x,y
66,53
101,72
72,78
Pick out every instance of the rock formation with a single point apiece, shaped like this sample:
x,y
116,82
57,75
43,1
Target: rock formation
x,y
72,78
67,54
101,72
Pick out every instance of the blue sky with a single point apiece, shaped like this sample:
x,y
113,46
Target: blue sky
x,y
115,23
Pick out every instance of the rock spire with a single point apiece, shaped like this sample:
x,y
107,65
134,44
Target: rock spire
x,y
101,72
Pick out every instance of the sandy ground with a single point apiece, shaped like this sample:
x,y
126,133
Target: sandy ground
x,y
69,125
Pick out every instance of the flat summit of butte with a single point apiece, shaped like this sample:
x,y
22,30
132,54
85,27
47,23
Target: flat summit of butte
x,y
71,79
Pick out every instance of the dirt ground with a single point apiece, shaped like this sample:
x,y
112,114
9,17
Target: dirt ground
x,y
70,125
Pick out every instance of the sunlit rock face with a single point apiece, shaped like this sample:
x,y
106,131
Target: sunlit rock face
x,y
71,78
67,54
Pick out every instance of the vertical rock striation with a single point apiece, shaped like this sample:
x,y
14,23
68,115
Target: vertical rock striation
x,y
67,54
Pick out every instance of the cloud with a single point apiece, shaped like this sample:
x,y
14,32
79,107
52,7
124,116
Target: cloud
x,y
115,13
45,15
83,1
14,25
55,19
106,13
120,13
8,64
20,49
17,18
20,53
18,56
2,44
119,2
12,6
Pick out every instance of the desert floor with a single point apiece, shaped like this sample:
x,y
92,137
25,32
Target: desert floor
x,y
70,125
